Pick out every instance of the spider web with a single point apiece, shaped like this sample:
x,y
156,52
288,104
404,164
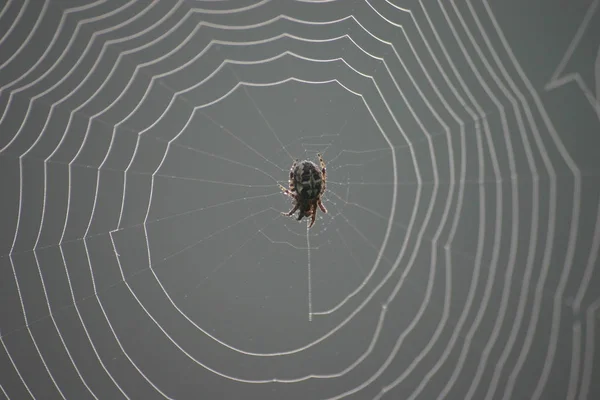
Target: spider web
x,y
144,250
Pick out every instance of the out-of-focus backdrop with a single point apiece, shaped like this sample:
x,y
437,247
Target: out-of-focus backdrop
x,y
143,250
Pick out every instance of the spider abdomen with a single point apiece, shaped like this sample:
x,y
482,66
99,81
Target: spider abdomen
x,y
308,180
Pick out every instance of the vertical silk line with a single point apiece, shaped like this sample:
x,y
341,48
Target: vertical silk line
x,y
309,278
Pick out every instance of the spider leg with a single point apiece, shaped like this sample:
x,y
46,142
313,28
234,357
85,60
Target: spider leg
x,y
313,218
294,165
287,192
321,206
292,211
323,170
290,194
324,174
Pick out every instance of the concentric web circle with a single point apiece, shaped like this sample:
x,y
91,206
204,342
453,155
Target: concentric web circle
x,y
144,250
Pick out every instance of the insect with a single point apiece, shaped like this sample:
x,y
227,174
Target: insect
x,y
307,185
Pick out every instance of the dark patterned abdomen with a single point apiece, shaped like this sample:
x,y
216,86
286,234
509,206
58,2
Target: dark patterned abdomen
x,y
308,181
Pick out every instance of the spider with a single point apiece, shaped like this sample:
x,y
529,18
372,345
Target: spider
x,y
307,185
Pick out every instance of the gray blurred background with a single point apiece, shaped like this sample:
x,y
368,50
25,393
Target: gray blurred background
x,y
143,254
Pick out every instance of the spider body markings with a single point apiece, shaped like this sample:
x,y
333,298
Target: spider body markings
x,y
307,185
